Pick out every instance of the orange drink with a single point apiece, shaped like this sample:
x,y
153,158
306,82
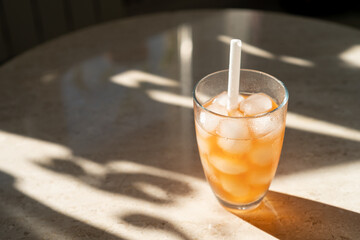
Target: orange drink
x,y
240,149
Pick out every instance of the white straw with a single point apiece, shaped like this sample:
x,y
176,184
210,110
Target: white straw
x,y
234,74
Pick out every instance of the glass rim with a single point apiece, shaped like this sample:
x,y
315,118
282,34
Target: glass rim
x,y
281,105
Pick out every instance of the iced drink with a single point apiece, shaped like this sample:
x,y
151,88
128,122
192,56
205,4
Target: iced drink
x,y
240,148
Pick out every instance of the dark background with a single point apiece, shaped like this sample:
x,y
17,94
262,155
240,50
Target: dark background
x,y
27,23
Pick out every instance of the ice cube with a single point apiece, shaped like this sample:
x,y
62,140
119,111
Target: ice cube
x,y
201,132
260,178
234,146
236,113
219,109
234,129
208,121
262,155
240,99
208,169
256,104
203,145
262,126
221,99
227,165
236,188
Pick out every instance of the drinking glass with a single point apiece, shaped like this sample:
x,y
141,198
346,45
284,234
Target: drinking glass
x,y
239,154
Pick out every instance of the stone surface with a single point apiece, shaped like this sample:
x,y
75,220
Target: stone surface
x,y
97,136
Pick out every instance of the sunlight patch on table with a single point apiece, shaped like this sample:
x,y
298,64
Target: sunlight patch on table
x,y
296,61
259,52
151,190
294,120
86,197
308,124
351,55
132,167
134,79
170,98
247,48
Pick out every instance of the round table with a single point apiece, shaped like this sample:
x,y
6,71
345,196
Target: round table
x,y
97,132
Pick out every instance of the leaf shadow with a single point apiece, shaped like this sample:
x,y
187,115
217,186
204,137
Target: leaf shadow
x,y
23,217
145,186
154,223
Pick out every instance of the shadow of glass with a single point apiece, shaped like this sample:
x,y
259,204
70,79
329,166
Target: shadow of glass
x,y
22,217
148,187
289,217
148,222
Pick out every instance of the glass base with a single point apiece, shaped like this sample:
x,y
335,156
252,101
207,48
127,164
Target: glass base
x,y
240,207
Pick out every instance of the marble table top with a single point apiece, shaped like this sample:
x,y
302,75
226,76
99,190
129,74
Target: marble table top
x,y
97,135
